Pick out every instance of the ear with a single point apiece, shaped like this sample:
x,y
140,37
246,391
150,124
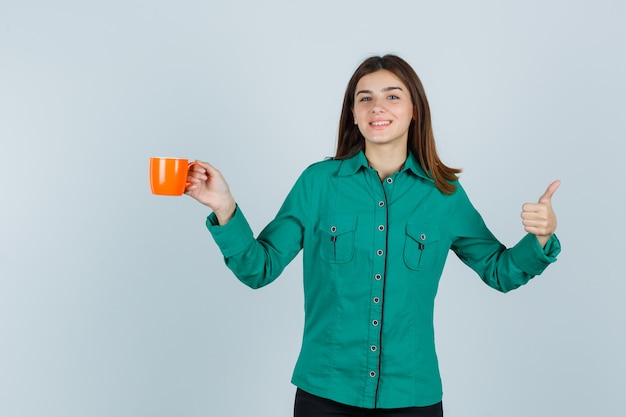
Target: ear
x,y
354,117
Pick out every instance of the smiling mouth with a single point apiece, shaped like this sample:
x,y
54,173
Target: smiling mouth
x,y
381,123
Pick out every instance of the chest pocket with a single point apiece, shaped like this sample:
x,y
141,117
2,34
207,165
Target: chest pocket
x,y
421,248
337,238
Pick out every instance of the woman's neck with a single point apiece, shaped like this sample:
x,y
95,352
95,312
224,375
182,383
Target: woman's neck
x,y
386,161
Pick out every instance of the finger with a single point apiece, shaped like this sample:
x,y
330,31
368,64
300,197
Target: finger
x,y
535,222
539,231
533,208
198,175
547,196
194,180
210,169
534,216
189,188
197,168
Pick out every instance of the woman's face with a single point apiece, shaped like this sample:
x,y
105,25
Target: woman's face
x,y
383,109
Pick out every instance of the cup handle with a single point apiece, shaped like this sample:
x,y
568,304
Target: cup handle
x,y
189,165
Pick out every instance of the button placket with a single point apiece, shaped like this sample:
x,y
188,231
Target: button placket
x,y
377,288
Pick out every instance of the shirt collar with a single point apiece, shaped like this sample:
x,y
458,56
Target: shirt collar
x,y
353,164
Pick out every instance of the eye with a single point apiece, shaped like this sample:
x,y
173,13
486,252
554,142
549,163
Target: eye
x,y
365,99
393,97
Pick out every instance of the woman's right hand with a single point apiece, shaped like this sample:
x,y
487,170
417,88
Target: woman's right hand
x,y
208,186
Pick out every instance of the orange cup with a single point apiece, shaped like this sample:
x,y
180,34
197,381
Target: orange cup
x,y
168,176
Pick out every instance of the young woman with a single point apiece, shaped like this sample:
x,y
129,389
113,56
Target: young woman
x,y
376,224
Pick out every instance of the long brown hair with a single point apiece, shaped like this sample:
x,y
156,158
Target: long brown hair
x,y
421,141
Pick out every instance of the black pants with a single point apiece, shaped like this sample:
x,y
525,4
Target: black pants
x,y
309,405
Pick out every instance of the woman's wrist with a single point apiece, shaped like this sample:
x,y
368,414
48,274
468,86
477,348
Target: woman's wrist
x,y
543,240
226,212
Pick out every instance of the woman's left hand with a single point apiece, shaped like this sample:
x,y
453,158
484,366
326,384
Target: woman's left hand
x,y
539,218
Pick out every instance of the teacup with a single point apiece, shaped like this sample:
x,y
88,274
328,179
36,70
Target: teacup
x,y
168,176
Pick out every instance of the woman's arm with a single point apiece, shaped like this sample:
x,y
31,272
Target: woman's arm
x,y
255,261
501,268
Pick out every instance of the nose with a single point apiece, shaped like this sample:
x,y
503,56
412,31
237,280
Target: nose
x,y
377,106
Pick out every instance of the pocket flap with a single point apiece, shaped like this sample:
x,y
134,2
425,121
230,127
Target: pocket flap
x,y
337,225
422,232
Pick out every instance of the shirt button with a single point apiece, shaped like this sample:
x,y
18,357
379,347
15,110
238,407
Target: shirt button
x,y
381,228
378,277
376,300
389,180
423,236
381,204
379,252
333,229
373,348
374,322
372,374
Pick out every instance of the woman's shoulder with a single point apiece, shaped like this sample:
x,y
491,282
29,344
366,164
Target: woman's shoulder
x,y
324,167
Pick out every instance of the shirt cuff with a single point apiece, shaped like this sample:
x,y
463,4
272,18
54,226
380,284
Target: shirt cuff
x,y
531,257
233,237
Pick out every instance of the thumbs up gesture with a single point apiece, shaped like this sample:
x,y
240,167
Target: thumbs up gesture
x,y
539,218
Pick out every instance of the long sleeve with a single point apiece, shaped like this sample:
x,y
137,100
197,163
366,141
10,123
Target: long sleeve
x,y
258,262
500,268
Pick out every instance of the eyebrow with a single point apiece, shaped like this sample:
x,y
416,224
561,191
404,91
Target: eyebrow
x,y
384,90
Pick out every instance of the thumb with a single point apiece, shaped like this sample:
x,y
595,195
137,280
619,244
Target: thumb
x,y
547,196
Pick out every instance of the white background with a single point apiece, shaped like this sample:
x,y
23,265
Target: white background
x,y
115,302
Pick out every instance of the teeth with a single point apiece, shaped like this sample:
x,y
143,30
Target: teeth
x,y
381,123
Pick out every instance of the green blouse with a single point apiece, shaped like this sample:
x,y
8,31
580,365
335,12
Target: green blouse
x,y
373,256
